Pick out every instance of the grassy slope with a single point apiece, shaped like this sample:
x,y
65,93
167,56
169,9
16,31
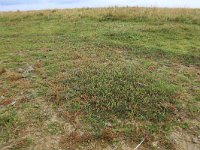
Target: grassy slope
x,y
111,73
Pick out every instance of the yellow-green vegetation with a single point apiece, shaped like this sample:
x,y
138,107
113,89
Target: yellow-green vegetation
x,y
92,78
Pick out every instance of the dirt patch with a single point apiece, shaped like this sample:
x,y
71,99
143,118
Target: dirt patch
x,y
185,141
46,143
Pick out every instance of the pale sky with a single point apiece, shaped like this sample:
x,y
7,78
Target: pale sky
x,y
13,5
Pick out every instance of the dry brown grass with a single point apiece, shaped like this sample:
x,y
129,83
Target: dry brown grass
x,y
21,144
13,76
71,141
108,135
55,92
175,14
5,102
2,70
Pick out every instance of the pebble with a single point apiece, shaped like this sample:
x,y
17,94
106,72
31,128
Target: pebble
x,y
13,103
24,75
20,70
60,109
195,140
108,124
155,144
29,69
2,97
36,106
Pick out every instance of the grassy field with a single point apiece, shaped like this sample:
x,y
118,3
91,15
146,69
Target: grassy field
x,y
100,79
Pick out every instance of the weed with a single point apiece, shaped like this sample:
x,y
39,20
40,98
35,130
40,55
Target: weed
x,y
8,124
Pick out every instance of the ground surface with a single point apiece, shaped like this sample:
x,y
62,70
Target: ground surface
x,y
100,79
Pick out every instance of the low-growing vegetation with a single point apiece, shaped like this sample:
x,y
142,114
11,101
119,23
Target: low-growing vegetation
x,y
104,78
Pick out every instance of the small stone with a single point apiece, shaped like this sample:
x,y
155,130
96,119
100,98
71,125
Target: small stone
x,y
36,106
108,124
199,137
13,103
155,144
20,70
29,69
2,97
195,140
25,75
60,109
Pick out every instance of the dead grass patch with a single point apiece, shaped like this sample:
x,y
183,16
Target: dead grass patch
x,y
108,134
22,143
71,117
13,76
2,70
55,92
39,64
5,102
71,141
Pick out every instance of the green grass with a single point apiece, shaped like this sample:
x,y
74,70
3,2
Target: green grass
x,y
54,128
8,124
134,68
122,90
